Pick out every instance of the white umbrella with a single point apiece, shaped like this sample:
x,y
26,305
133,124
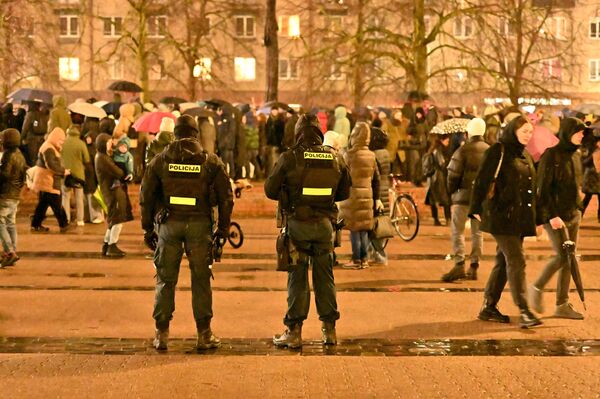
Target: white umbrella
x,y
449,126
87,109
100,103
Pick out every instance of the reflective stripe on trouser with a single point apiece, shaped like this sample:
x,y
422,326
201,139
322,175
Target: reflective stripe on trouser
x,y
313,241
174,237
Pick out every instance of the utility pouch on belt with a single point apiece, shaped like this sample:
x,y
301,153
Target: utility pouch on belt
x,y
162,216
287,255
337,231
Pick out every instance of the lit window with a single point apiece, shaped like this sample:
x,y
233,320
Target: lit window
x,y
504,27
289,25
288,68
245,69
115,70
157,26
69,26
463,27
113,26
244,26
595,70
68,68
202,69
595,28
555,27
156,71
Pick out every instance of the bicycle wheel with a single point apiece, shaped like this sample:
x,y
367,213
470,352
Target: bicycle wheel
x,y
236,236
405,217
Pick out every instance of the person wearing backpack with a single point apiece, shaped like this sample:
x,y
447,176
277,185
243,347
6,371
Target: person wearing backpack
x,y
307,180
34,129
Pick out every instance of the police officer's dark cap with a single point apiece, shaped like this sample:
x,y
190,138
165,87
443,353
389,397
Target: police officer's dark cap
x,y
186,126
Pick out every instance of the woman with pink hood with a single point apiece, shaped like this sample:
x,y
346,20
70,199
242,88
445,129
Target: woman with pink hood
x,y
47,180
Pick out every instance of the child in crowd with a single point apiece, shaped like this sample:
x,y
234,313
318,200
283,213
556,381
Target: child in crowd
x,y
123,159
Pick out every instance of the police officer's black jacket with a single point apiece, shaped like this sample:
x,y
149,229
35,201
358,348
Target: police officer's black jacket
x,y
287,175
511,211
188,182
559,176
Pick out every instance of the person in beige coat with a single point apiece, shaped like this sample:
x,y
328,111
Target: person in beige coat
x,y
357,211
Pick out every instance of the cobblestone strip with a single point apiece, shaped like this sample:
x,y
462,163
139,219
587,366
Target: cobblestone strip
x,y
264,347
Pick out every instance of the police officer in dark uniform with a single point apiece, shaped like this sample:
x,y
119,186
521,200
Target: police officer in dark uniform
x,y
307,180
179,189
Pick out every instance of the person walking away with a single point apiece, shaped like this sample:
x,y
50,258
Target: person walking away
x,y
178,191
91,130
59,116
394,130
378,143
357,210
307,180
437,191
164,137
47,181
12,179
116,198
591,176
274,130
462,171
34,129
559,207
342,125
76,158
505,206
251,132
417,141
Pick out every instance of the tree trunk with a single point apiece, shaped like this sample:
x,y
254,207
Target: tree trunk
x,y
142,53
420,76
358,69
272,45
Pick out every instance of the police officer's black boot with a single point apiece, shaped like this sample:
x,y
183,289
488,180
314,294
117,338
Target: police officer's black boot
x,y
291,337
161,339
206,339
456,273
114,252
329,336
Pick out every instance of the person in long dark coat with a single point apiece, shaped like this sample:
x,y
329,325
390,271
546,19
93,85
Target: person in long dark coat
x,y
506,209
116,199
437,191
591,175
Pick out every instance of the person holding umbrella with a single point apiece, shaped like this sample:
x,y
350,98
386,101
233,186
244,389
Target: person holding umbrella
x,y
559,207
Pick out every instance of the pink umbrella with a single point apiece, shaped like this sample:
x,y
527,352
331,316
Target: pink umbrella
x,y
150,122
541,140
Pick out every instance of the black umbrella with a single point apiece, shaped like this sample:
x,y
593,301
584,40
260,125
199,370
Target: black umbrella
x,y
124,85
200,112
569,247
113,109
279,104
217,103
27,94
172,100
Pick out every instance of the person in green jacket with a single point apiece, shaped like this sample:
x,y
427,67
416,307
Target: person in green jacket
x,y
162,140
75,156
59,116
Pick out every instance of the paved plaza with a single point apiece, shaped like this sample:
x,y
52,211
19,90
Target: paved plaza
x,y
73,324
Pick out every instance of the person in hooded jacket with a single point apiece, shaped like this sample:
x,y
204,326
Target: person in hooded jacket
x,y
89,133
505,206
178,191
76,158
164,137
59,116
378,143
307,180
47,181
34,129
342,125
357,210
559,207
116,198
462,170
12,179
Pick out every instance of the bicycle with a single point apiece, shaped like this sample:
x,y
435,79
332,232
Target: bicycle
x,y
404,213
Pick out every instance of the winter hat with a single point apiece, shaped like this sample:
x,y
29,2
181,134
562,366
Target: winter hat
x,y
11,138
186,127
332,139
167,125
476,127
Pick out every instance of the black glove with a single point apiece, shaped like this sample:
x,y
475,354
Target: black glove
x,y
151,239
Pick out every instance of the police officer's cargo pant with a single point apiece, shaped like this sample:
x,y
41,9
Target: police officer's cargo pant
x,y
313,242
509,264
175,236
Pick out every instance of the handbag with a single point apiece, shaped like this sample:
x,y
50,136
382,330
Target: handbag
x,y
383,227
492,190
